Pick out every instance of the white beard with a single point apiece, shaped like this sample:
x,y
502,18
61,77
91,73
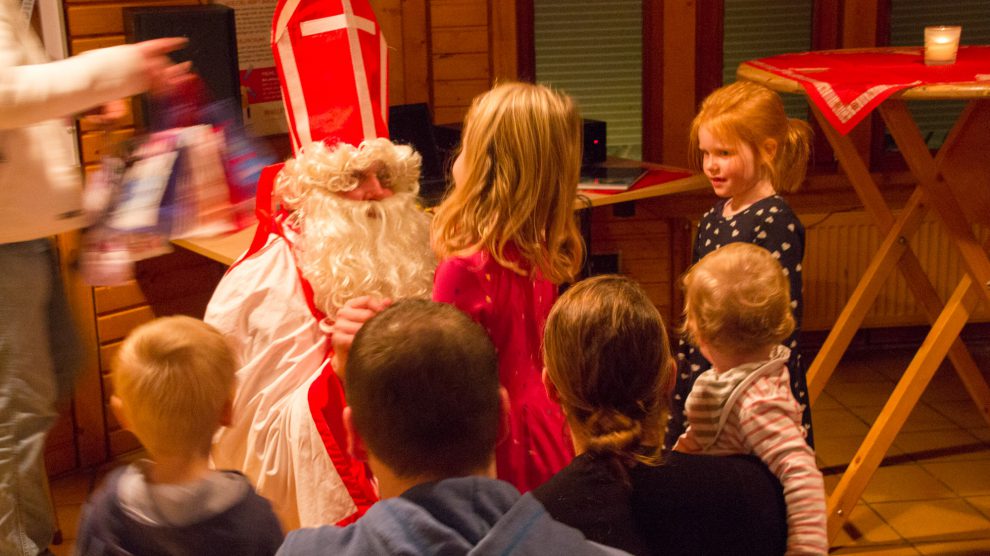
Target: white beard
x,y
349,248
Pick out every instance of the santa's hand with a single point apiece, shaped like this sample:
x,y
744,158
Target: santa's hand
x,y
350,318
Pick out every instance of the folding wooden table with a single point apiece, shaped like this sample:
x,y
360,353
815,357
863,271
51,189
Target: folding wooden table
x,y
955,184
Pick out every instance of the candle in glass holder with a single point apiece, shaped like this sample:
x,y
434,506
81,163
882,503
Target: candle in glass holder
x,y
941,44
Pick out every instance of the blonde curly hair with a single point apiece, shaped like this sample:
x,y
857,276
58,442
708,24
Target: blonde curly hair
x,y
738,299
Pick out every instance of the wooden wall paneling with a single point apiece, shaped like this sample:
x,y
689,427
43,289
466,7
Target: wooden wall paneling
x,y
460,93
461,60
458,13
878,148
679,70
826,27
681,252
87,411
389,14
180,283
60,444
859,23
96,144
460,66
106,19
641,242
416,47
456,40
708,48
78,46
826,31
503,46
859,30
653,90
525,41
405,26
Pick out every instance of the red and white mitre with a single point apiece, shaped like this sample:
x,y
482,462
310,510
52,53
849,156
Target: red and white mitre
x,y
332,61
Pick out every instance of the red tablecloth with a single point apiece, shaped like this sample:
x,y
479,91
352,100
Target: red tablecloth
x,y
847,85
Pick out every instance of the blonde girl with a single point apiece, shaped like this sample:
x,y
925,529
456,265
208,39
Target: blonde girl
x,y
750,151
506,237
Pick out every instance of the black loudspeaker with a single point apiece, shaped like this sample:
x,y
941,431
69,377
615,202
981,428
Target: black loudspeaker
x,y
411,124
594,143
212,47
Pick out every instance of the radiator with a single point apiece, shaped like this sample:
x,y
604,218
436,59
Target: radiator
x,y
838,248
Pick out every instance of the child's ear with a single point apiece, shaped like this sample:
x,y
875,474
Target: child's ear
x,y
355,445
227,412
117,407
552,391
770,148
504,407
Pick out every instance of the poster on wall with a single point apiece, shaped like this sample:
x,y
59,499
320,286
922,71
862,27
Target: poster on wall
x,y
261,99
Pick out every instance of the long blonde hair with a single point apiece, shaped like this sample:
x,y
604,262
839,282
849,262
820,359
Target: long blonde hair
x,y
748,113
522,159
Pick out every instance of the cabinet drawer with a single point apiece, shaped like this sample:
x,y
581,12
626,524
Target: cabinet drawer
x,y
107,353
117,325
117,297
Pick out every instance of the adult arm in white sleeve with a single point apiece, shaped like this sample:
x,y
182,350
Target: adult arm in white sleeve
x,y
35,92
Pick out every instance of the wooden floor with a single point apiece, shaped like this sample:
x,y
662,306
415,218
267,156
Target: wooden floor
x,y
931,496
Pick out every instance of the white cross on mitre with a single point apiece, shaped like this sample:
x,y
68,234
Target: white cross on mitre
x,y
303,114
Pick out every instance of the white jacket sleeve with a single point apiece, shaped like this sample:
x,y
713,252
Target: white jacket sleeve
x,y
35,92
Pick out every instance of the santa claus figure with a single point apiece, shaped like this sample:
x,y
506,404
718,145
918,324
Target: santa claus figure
x,y
347,225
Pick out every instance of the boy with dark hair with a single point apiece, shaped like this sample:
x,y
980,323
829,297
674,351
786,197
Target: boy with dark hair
x,y
425,409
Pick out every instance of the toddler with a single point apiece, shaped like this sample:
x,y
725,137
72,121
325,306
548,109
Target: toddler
x,y
737,309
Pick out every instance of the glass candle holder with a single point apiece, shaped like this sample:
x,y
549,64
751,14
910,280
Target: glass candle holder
x,y
941,44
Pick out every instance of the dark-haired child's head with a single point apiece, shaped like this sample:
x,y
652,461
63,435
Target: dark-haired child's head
x,y
423,391
609,361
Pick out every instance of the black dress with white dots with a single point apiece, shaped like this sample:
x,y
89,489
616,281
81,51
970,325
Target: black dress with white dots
x,y
771,224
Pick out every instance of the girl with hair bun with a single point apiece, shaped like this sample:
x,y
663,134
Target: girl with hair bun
x,y
609,366
750,151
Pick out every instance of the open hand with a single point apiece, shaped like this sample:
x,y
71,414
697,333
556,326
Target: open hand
x,y
350,318
159,69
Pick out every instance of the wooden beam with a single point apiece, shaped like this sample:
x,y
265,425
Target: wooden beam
x,y
679,68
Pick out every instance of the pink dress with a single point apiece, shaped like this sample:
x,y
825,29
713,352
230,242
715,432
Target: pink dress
x,y
513,309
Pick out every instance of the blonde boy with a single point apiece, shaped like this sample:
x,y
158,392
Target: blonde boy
x,y
738,310
173,385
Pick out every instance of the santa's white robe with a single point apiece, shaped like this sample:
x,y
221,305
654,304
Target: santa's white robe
x,y
287,435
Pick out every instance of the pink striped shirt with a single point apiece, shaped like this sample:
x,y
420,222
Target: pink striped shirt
x,y
751,410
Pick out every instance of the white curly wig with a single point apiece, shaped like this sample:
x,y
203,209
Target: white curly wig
x,y
337,168
348,248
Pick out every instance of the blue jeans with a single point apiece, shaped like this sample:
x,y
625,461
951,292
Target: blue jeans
x,y
39,357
